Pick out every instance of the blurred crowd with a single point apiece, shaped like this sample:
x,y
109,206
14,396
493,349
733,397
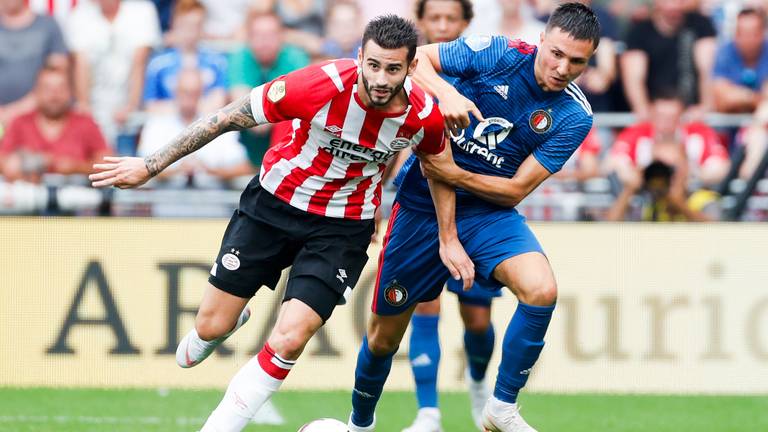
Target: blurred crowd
x,y
88,78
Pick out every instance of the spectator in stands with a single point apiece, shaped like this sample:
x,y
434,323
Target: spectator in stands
x,y
343,31
164,13
210,167
741,68
186,52
225,18
672,49
692,147
372,9
53,138
111,45
28,42
307,16
265,57
585,162
519,22
59,9
659,201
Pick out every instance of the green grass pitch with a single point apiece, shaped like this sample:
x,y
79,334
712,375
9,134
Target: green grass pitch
x,y
23,410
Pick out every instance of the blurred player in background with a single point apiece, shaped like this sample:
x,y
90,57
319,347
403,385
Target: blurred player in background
x,y
536,119
444,21
311,207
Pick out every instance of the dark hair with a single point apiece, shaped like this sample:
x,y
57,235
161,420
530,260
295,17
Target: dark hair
x,y
747,11
657,169
392,32
466,7
577,20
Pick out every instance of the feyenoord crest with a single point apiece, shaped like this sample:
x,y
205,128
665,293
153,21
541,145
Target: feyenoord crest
x,y
540,121
276,91
395,294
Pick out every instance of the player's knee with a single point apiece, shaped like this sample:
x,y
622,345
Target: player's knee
x,y
289,343
210,327
476,325
544,293
381,345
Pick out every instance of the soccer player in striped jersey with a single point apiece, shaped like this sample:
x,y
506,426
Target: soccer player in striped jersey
x,y
528,119
312,205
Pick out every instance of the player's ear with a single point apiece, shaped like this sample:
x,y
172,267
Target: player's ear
x,y
360,55
412,66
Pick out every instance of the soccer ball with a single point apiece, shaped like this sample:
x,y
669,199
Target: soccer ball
x,y
324,425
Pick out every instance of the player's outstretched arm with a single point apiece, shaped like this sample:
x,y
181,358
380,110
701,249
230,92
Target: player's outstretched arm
x,y
129,172
454,107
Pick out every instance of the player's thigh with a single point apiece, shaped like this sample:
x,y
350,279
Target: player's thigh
x,y
530,278
385,332
254,250
429,308
410,270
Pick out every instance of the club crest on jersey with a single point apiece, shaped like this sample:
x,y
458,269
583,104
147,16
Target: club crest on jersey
x,y
395,294
540,121
276,91
230,261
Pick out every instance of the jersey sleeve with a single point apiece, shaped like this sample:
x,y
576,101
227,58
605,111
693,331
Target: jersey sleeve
x,y
297,95
558,149
469,56
434,133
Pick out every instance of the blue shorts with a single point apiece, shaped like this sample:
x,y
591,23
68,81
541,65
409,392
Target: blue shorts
x,y
410,269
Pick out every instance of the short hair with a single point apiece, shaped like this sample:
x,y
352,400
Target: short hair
x,y
466,6
392,32
255,13
185,6
667,93
577,20
751,11
658,169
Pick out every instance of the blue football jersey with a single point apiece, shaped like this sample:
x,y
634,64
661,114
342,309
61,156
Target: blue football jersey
x,y
521,119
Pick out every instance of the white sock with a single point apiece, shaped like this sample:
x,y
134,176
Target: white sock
x,y
253,385
192,349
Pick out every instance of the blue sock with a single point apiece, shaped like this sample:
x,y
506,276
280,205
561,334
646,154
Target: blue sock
x,y
424,355
479,348
522,345
370,375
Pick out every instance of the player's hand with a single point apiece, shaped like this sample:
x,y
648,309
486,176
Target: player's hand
x,y
457,261
456,109
120,172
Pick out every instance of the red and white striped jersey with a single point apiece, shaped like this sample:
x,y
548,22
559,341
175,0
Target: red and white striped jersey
x,y
332,161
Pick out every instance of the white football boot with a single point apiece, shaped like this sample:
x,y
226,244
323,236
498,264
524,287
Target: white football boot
x,y
192,350
479,393
427,420
500,416
355,428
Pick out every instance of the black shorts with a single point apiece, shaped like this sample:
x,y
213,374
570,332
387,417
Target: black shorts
x,y
267,235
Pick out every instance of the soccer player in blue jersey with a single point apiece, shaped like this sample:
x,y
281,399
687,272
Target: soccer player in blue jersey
x,y
444,21
533,118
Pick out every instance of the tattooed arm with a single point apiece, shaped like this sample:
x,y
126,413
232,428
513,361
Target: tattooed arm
x,y
128,172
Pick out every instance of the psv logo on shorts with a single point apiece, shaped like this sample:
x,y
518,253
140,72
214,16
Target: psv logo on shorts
x,y
540,121
395,294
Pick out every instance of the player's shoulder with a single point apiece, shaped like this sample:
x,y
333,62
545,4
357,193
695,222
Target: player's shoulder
x,y
422,103
340,74
577,102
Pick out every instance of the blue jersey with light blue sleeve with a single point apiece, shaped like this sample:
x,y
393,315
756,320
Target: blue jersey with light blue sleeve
x,y
497,74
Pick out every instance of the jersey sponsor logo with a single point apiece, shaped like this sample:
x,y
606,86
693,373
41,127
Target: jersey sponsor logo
x,y
399,143
540,121
230,261
395,294
478,42
276,91
356,152
492,131
502,90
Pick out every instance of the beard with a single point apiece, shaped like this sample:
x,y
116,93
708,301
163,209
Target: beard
x,y
379,101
